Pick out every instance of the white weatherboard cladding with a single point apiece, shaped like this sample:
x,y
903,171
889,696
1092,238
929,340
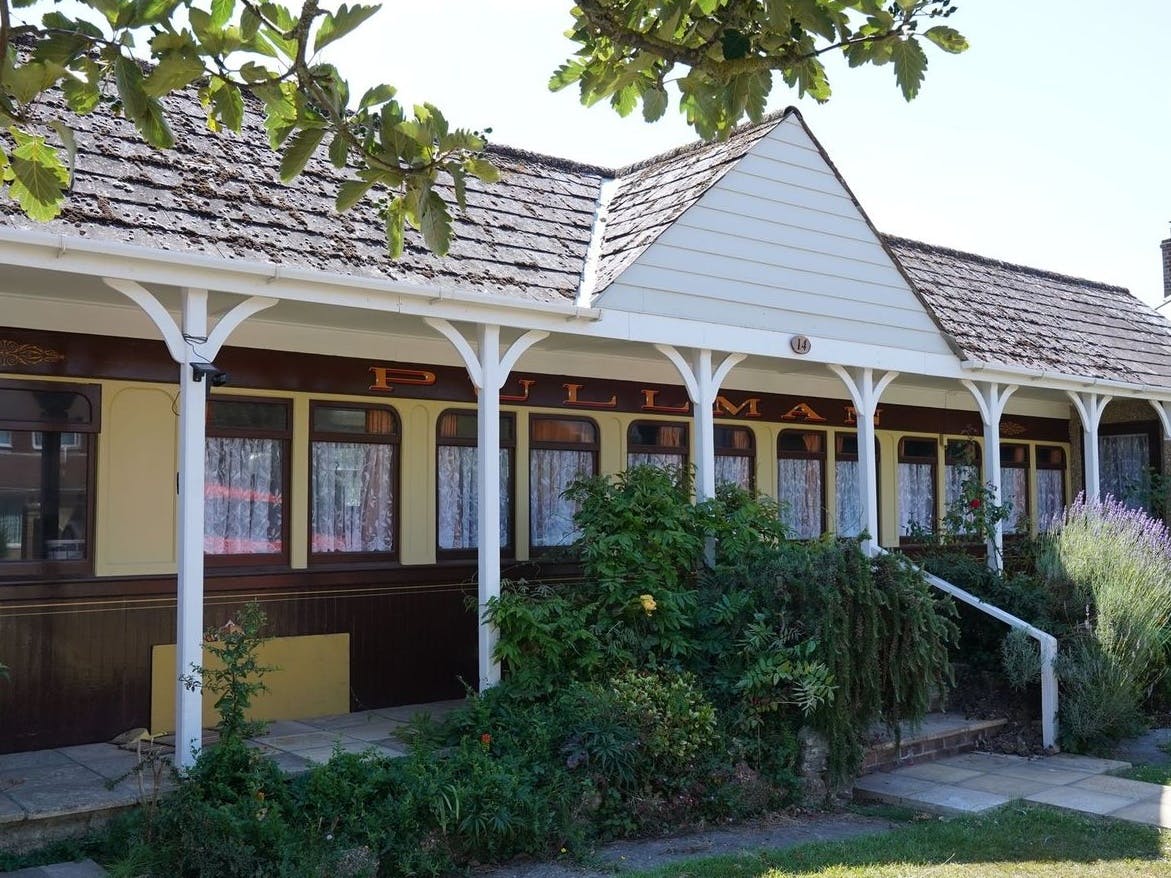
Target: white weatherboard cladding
x,y
779,244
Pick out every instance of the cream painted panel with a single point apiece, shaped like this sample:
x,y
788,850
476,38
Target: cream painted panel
x,y
135,526
417,500
612,456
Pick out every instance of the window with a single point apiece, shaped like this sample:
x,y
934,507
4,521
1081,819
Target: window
x,y
1125,467
560,451
735,457
246,473
655,444
1014,486
458,506
961,459
47,434
917,462
801,482
851,517
353,483
1050,486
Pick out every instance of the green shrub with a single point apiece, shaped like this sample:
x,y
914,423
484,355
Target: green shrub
x,y
675,721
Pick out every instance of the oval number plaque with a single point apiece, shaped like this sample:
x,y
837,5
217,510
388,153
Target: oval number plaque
x,y
800,344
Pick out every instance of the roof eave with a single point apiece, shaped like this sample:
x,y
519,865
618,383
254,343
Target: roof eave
x,y
1065,381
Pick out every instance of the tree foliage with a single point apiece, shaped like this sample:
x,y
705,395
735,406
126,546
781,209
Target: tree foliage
x,y
125,57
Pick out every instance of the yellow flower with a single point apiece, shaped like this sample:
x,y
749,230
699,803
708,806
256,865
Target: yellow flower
x,y
648,603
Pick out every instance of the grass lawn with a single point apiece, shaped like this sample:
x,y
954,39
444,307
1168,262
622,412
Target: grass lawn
x,y
1017,841
1150,773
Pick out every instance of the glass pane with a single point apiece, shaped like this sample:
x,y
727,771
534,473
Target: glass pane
x,y
458,497
462,425
366,422
663,435
44,501
550,514
1014,490
804,443
734,469
848,496
234,414
733,439
352,497
55,406
563,431
243,496
923,449
1050,497
800,489
1125,463
916,497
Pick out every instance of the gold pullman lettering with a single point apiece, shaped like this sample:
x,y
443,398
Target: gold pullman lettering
x,y
571,398
802,412
852,415
750,407
385,378
523,396
650,404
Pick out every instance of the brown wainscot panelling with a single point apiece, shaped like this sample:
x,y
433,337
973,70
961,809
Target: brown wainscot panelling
x,y
79,652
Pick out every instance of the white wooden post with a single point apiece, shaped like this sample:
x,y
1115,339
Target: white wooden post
x,y
192,343
488,372
865,392
1089,408
702,383
991,399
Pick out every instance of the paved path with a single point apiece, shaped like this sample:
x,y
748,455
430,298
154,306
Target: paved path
x,y
978,782
81,869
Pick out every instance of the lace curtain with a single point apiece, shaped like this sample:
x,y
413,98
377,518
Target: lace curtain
x,y
1050,497
800,491
550,473
458,501
1123,465
848,497
954,476
352,497
243,496
734,469
1014,493
916,497
640,458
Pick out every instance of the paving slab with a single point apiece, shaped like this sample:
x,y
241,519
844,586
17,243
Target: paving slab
x,y
892,784
1003,785
302,741
9,810
1040,772
958,800
54,800
1121,786
374,730
337,720
1146,749
1072,798
14,762
67,772
1153,812
982,761
936,773
1086,763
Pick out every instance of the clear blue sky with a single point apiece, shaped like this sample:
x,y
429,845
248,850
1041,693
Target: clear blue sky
x,y
1047,143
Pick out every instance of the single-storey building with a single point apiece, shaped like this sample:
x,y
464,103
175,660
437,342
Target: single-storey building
x,y
214,388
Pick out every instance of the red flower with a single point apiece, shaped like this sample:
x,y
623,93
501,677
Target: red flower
x,y
485,739
975,503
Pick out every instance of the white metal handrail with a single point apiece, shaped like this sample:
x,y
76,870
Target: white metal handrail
x,y
1047,642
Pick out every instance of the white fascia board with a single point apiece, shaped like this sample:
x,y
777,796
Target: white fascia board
x,y
977,370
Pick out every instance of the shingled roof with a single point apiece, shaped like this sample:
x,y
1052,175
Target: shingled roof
x,y
998,312
530,236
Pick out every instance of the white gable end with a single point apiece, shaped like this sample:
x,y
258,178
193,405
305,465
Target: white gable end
x,y
778,243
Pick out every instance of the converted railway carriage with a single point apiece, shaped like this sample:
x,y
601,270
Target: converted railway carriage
x,y
213,388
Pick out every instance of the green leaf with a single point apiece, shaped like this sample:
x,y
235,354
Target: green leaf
x,y
910,65
435,223
221,12
335,26
339,151
947,38
566,74
69,141
173,72
654,103
380,94
144,111
777,13
38,178
735,45
395,220
351,192
228,104
83,95
25,82
249,23
482,169
299,151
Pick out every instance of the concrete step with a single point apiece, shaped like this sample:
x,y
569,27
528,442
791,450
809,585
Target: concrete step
x,y
939,735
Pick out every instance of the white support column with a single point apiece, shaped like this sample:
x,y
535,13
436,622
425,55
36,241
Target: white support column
x,y
190,342
1089,408
991,399
1163,409
703,384
865,392
489,371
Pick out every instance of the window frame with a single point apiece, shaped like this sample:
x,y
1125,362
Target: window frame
x,y
731,451
44,568
276,560
822,456
509,549
840,435
595,450
683,450
901,458
355,559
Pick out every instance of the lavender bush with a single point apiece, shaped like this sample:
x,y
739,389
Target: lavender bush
x,y
1116,561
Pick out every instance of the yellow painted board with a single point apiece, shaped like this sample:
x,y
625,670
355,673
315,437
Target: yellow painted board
x,y
313,679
